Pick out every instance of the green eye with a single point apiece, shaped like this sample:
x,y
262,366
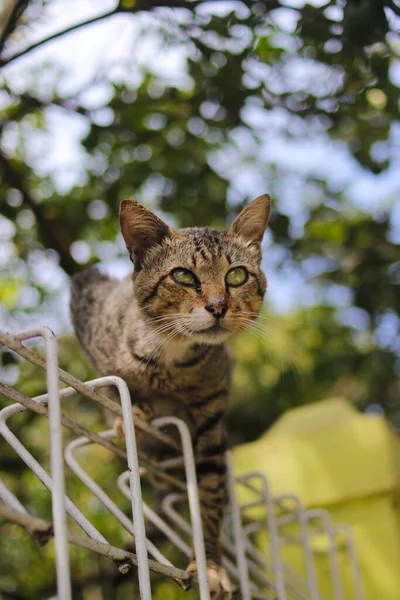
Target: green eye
x,y
237,277
184,277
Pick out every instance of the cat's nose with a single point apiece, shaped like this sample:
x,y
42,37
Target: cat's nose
x,y
217,307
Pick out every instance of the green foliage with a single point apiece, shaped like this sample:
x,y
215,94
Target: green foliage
x,y
189,146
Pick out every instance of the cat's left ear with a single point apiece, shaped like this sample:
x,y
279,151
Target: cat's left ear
x,y
141,229
252,221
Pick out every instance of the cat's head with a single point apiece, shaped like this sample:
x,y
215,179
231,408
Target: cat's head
x,y
199,283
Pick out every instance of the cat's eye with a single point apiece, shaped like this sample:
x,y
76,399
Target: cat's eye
x,y
237,277
184,277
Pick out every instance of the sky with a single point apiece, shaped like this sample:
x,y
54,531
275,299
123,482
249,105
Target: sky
x,y
105,47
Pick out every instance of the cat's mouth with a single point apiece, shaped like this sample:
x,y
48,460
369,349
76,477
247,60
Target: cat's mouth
x,y
216,328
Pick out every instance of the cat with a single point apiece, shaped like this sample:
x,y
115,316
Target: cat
x,y
164,331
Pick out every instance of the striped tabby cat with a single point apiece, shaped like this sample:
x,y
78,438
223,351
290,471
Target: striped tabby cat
x,y
163,330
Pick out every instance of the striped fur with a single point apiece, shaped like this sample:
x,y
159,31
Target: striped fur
x,y
167,340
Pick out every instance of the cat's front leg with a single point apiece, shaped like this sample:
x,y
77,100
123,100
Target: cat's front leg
x,y
144,413
218,581
211,476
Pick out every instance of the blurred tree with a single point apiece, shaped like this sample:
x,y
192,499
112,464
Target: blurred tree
x,y
194,145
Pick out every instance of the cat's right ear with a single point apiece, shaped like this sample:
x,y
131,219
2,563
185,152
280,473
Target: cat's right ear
x,y
141,229
252,220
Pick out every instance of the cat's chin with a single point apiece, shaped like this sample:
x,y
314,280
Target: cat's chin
x,y
213,335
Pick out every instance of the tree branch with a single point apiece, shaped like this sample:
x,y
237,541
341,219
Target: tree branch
x,y
183,578
56,35
9,16
393,7
13,595
104,577
70,424
51,230
141,5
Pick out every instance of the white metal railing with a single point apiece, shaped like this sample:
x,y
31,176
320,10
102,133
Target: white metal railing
x,y
258,574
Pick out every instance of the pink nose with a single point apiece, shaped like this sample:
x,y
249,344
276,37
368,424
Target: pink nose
x,y
217,307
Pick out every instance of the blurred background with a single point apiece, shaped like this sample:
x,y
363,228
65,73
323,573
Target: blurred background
x,y
195,108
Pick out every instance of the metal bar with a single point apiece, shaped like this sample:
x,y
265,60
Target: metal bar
x,y
10,500
238,533
70,392
175,517
193,497
134,480
257,526
12,342
287,583
44,477
102,496
299,582
273,532
355,567
152,467
311,583
112,552
155,518
56,458
35,405
304,536
253,504
325,517
243,480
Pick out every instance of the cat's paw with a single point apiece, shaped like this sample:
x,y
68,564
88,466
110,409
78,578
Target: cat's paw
x,y
138,413
118,427
218,580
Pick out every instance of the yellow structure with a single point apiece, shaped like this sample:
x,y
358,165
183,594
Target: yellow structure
x,y
336,458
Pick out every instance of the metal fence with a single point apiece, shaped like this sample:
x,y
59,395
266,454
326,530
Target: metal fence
x,y
257,573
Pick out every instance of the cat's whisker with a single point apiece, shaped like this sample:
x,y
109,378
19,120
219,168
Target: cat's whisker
x,y
260,332
174,319
145,340
154,334
260,316
159,348
259,329
257,316
164,340
167,317
166,332
149,356
291,359
261,338
254,325
259,335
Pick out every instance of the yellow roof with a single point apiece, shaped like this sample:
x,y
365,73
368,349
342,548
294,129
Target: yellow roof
x,y
325,453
